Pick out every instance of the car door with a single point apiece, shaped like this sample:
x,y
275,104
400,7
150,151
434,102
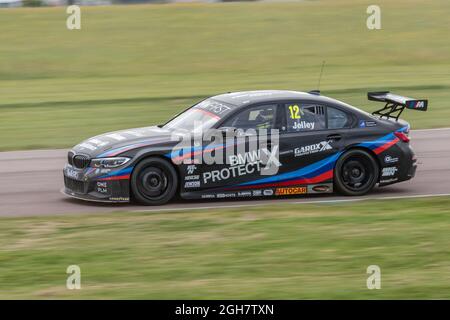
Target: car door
x,y
243,155
312,135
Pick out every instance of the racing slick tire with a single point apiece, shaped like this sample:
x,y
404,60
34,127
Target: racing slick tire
x,y
154,181
356,173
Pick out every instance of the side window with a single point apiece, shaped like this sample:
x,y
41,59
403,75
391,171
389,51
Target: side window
x,y
337,119
260,117
306,117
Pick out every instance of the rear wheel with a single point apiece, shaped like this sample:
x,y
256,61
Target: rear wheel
x,y
356,173
154,181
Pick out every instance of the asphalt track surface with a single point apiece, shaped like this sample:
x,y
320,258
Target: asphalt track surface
x,y
31,182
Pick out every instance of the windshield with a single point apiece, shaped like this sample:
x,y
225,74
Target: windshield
x,y
202,116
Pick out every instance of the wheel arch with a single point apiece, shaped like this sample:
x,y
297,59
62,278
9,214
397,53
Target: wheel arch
x,y
369,151
155,154
161,156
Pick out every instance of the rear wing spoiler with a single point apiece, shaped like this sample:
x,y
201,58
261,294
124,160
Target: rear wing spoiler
x,y
395,104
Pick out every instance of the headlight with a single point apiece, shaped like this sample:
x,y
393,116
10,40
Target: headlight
x,y
109,162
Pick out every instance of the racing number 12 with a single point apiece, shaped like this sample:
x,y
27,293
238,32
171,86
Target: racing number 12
x,y
294,111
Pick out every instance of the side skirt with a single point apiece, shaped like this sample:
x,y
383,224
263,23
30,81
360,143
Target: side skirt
x,y
320,188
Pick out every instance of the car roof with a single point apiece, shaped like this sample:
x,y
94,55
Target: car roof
x,y
245,98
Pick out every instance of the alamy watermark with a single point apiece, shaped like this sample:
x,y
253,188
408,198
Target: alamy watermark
x,y
245,151
374,280
373,21
73,281
73,21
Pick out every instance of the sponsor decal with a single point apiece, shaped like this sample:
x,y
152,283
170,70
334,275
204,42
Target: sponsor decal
x,y
119,199
389,171
286,152
191,168
72,173
268,192
257,193
290,191
313,148
231,172
367,123
243,164
102,171
321,188
214,107
226,195
244,194
102,187
192,184
299,125
418,105
254,156
390,159
122,174
193,177
248,157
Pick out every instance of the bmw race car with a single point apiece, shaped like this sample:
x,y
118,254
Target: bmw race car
x,y
275,143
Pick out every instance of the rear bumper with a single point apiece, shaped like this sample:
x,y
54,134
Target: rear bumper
x,y
403,169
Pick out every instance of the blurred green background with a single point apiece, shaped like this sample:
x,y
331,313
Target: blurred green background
x,y
132,66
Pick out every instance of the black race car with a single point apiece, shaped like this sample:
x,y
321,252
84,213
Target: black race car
x,y
275,143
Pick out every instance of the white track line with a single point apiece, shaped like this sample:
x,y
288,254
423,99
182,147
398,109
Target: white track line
x,y
434,129
296,202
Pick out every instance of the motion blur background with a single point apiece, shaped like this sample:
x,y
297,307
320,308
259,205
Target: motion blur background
x,y
138,65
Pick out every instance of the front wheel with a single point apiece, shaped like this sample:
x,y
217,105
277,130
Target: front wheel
x,y
356,173
154,181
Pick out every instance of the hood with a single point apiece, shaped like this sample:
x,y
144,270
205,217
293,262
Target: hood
x,y
116,142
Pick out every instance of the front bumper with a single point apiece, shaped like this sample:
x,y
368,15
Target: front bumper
x,y
101,185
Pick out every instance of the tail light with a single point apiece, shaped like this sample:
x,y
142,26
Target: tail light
x,y
402,136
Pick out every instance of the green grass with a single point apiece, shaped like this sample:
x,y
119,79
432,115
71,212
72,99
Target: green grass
x,y
283,252
138,65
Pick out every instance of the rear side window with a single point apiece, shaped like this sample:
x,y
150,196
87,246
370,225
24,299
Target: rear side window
x,y
300,118
337,119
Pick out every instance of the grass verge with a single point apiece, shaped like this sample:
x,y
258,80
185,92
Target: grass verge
x,y
284,252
